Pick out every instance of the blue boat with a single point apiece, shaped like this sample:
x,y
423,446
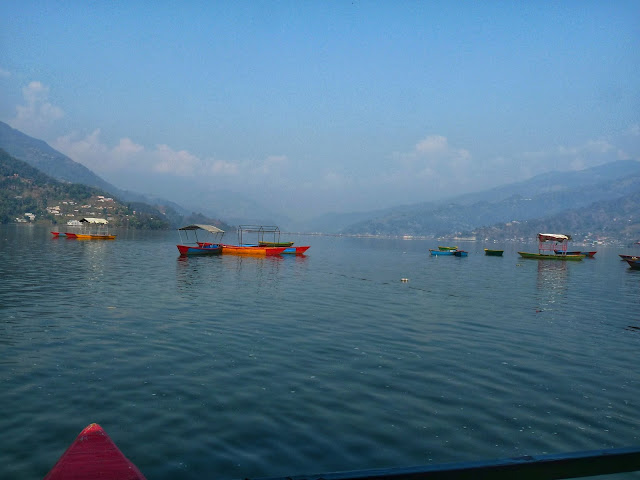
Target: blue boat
x,y
441,252
461,253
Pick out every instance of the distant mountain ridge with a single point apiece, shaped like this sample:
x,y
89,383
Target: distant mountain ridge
x,y
541,196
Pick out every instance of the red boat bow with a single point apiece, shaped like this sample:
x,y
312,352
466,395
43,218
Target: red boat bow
x,y
93,455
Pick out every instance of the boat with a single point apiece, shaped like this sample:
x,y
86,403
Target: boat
x,y
94,229
461,253
275,244
272,240
634,263
252,250
627,257
493,253
189,246
440,247
555,244
441,252
93,455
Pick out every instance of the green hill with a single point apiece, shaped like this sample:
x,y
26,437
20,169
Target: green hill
x,y
28,195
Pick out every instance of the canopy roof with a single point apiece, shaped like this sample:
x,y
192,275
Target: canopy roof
x,y
553,237
100,221
208,228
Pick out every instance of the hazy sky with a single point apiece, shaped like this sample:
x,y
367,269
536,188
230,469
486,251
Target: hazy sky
x,y
323,106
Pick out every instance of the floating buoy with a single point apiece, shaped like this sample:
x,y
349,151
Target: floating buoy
x,y
404,280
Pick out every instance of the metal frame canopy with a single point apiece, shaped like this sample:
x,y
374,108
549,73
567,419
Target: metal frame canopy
x,y
208,228
195,228
558,243
260,230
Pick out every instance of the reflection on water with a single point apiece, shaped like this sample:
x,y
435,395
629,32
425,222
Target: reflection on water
x,y
551,282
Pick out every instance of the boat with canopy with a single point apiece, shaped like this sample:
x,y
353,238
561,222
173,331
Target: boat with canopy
x,y
556,246
265,236
190,244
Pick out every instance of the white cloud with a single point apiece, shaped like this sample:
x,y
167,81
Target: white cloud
x,y
167,160
38,114
220,167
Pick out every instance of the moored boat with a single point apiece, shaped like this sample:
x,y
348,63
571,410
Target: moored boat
x,y
93,455
252,250
440,247
627,257
541,256
634,263
275,244
461,253
556,246
193,246
262,237
493,253
441,252
94,229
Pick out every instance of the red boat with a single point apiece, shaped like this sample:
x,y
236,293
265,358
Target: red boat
x,y
94,456
192,246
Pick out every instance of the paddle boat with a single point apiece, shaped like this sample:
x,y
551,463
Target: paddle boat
x,y
493,253
192,246
93,455
555,244
93,229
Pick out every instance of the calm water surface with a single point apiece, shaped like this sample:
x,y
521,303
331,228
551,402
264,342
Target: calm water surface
x,y
230,367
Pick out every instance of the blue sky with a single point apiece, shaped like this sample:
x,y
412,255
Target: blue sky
x,y
321,106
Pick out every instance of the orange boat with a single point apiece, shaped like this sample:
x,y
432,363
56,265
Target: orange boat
x,y
253,250
99,227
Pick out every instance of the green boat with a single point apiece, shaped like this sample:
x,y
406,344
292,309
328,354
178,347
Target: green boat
x,y
556,246
493,253
543,256
444,249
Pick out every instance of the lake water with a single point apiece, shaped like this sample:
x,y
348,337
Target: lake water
x,y
229,367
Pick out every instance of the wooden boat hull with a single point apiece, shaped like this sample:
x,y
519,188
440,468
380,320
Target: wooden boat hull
x,y
586,254
71,234
635,264
296,250
444,249
275,244
206,249
493,253
255,251
461,253
81,236
441,252
627,257
93,455
542,256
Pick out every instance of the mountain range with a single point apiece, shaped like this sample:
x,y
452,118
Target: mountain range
x,y
588,200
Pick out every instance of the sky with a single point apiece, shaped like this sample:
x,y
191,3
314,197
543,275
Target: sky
x,y
312,107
